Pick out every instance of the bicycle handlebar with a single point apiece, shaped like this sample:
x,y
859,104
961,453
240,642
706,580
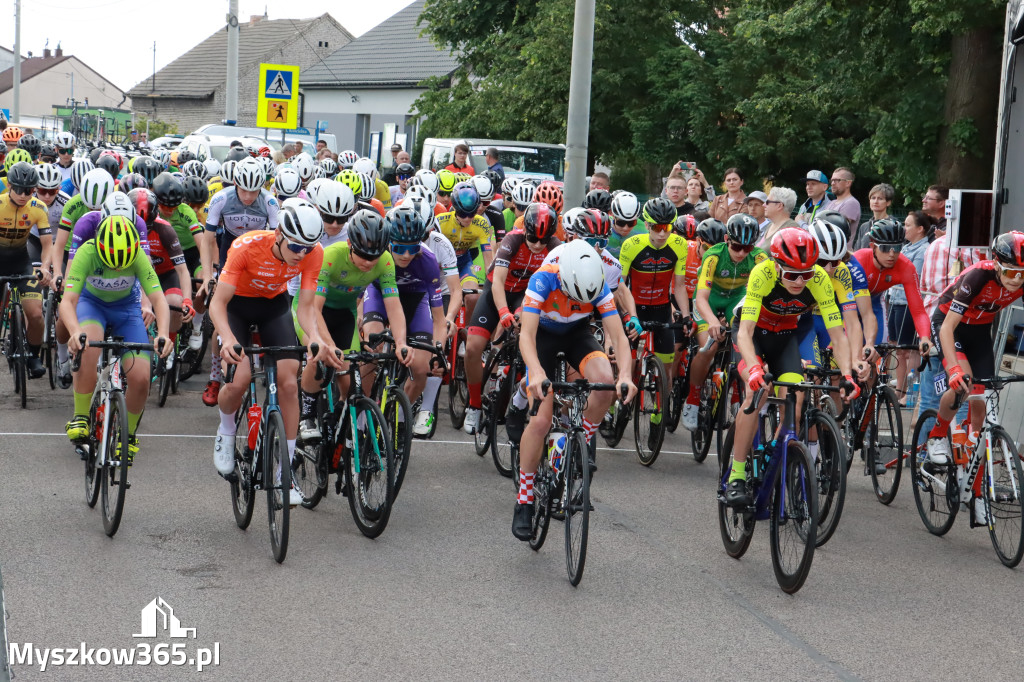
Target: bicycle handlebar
x,y
229,373
799,385
578,386
83,340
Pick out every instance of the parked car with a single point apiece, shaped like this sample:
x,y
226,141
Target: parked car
x,y
217,146
539,160
166,141
268,134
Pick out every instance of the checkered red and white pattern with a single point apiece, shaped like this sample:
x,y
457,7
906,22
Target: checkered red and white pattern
x,y
525,488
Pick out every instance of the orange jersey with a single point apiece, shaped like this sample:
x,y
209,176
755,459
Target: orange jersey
x,y
255,272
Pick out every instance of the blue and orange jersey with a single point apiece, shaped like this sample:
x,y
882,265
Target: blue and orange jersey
x,y
559,313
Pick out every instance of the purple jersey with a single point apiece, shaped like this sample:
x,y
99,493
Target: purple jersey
x,y
85,229
422,276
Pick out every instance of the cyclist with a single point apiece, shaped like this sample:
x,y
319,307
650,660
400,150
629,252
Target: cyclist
x,y
48,192
519,256
96,186
101,291
20,213
484,186
470,234
252,291
380,188
625,212
559,302
445,186
722,283
403,173
778,291
598,198
962,327
65,144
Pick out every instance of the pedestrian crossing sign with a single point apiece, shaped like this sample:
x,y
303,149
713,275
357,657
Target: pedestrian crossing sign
x,y
278,93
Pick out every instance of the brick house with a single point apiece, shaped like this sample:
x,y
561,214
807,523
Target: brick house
x,y
190,91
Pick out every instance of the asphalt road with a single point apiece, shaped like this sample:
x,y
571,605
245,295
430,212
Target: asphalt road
x,y
448,593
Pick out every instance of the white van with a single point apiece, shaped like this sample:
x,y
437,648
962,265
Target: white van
x,y
270,135
539,160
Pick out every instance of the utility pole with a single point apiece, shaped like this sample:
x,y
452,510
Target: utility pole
x,y
152,81
16,107
231,86
578,124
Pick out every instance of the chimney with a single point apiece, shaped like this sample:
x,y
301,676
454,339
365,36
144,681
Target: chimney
x,y
254,18
46,52
58,52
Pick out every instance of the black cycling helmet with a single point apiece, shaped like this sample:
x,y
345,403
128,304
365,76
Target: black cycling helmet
x,y
743,229
887,231
494,177
95,154
711,231
235,154
130,181
368,235
31,144
834,217
601,199
22,175
1008,249
184,156
145,203
659,211
405,169
109,164
195,190
147,167
48,153
406,225
168,190
539,222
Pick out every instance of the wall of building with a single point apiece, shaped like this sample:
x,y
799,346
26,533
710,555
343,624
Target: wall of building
x,y
53,87
184,112
6,59
372,110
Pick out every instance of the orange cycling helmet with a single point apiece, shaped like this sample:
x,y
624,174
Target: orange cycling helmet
x,y
794,249
551,194
12,134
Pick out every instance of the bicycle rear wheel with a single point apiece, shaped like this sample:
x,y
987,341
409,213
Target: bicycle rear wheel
x,y
676,399
736,525
831,474
935,488
794,518
700,438
1004,508
309,468
501,444
92,448
20,346
885,449
493,382
728,405
576,506
371,469
277,479
543,490
114,474
458,391
399,417
648,426
243,498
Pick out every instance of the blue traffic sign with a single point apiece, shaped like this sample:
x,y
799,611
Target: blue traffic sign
x,y
279,84
6,114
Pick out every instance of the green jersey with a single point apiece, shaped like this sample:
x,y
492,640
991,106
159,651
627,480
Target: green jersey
x,y
186,226
73,210
726,280
88,273
342,283
510,219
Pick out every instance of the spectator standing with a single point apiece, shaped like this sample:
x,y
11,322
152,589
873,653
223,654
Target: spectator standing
x,y
299,144
845,202
461,163
934,204
879,200
901,325
390,178
696,198
320,146
816,186
778,209
675,191
395,149
754,206
288,151
727,205
493,164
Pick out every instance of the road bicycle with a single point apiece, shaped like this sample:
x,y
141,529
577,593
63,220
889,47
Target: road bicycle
x,y
455,377
106,450
191,360
13,335
561,486
167,371
48,347
989,469
781,483
503,370
720,398
261,446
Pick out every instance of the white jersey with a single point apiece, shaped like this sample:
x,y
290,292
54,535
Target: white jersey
x,y
446,257
612,266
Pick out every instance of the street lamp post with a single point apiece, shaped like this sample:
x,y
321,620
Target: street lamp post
x,y
578,124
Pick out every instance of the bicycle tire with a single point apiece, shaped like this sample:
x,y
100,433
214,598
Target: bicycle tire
x,y
700,438
275,458
725,415
736,526
48,353
501,445
114,476
92,476
937,501
164,381
650,401
543,489
370,480
1006,510
886,446
243,493
311,470
176,366
400,430
458,391
576,506
492,383
676,397
20,360
433,411
794,506
831,474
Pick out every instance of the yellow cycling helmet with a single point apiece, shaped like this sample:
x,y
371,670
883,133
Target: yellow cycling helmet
x,y
350,178
117,242
16,155
446,181
131,164
461,177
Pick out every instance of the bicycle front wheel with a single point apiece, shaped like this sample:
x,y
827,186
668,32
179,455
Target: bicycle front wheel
x,y
885,450
736,525
458,390
700,438
114,473
371,469
91,451
164,375
243,498
399,416
794,518
20,346
676,399
648,426
576,505
830,468
501,444
1003,500
277,477
935,487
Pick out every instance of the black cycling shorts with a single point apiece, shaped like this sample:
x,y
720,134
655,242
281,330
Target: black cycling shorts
x,y
973,343
341,325
272,317
664,339
18,262
192,260
485,314
578,344
170,281
779,351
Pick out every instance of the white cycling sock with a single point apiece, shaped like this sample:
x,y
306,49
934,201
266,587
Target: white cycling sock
x,y
291,450
197,324
62,352
812,448
519,398
215,374
430,393
227,423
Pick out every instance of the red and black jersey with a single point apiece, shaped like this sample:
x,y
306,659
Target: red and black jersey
x,y
977,294
514,254
164,247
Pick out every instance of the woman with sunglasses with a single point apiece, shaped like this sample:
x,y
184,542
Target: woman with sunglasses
x,y
48,192
778,292
65,144
721,285
962,325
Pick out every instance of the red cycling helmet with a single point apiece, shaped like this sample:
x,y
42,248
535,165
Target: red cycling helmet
x,y
265,151
551,194
794,249
591,223
539,222
686,227
1008,249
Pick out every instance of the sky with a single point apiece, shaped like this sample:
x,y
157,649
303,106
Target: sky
x,y
115,37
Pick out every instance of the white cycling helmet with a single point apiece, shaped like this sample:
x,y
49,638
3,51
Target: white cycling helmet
x,y
49,176
313,188
212,167
428,179
567,219
196,168
162,156
64,140
421,205
78,170
305,165
287,183
365,165
367,187
831,240
319,171
522,195
508,186
422,192
625,206
118,203
484,187
347,158
227,172
249,175
300,222
329,165
269,167
580,271
96,187
335,199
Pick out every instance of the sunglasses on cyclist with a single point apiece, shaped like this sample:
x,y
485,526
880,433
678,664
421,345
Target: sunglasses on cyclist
x,y
741,248
47,192
890,248
597,242
66,151
659,227
332,220
1013,273
405,249
460,214
297,248
625,223
403,176
442,193
23,191
829,263
797,275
